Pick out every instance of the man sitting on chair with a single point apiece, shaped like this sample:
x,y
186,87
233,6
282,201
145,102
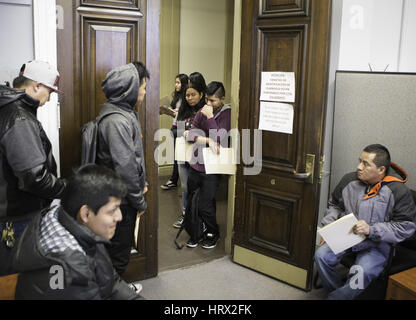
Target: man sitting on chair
x,y
377,195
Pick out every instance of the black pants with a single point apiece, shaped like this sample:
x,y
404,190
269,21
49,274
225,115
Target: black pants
x,y
175,173
208,184
123,240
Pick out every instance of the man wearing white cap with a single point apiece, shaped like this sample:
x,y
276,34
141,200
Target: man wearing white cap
x,y
28,175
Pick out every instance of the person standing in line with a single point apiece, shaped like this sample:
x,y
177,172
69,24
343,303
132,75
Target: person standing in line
x,y
194,100
181,81
214,117
28,171
120,148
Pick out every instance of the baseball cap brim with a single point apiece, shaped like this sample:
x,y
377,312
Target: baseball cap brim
x,y
54,89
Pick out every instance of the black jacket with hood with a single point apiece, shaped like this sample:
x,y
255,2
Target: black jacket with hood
x,y
28,179
120,145
59,258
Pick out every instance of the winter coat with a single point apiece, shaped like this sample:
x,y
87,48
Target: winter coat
x,y
28,179
387,207
55,245
120,145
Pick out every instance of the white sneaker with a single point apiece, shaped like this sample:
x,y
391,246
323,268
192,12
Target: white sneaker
x,y
136,287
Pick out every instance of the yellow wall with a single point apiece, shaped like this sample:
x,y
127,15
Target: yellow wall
x,y
206,39
169,58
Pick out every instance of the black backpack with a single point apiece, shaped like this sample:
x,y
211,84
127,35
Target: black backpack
x,y
192,223
89,139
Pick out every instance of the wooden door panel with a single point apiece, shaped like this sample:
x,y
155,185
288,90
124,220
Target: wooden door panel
x,y
105,44
99,36
272,221
283,49
119,4
278,8
276,211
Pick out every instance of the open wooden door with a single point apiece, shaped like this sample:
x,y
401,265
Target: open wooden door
x,y
276,211
94,37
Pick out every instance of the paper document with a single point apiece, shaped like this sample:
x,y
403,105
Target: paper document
x,y
223,163
277,117
278,86
136,232
183,150
338,234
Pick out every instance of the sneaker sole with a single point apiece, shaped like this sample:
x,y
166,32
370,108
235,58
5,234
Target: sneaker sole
x,y
209,247
177,226
192,245
167,188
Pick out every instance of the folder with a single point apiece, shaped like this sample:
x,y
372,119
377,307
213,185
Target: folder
x,y
183,150
338,234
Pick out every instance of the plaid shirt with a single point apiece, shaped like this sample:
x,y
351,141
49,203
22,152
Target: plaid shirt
x,y
54,237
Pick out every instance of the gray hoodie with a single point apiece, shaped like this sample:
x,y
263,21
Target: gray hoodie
x,y
120,145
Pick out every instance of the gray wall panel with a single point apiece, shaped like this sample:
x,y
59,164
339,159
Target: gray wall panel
x,y
374,108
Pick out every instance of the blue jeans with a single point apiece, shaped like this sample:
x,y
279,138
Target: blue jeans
x,y
370,261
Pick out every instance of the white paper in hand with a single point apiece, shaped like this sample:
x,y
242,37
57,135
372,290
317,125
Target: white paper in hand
x,y
338,234
223,163
183,150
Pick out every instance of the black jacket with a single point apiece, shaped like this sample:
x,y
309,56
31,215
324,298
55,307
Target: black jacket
x,y
120,145
28,179
55,241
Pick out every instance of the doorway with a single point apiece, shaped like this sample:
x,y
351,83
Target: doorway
x,y
190,42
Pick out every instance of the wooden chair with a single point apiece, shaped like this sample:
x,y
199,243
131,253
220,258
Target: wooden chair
x,y
8,287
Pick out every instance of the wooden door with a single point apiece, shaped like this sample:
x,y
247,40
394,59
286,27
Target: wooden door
x,y
98,35
276,210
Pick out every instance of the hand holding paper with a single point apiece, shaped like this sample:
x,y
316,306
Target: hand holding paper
x,y
339,234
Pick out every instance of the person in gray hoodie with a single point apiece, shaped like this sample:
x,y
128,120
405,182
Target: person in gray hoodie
x,y
377,195
120,148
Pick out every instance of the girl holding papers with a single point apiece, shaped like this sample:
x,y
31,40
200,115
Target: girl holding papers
x,y
209,128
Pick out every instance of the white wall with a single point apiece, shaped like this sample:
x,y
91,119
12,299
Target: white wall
x,y
16,36
407,59
380,33
45,22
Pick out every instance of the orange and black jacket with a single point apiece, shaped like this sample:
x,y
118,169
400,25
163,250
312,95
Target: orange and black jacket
x,y
388,207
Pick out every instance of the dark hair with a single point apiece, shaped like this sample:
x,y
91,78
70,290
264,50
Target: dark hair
x,y
21,81
92,185
198,79
216,88
141,69
382,157
183,78
186,111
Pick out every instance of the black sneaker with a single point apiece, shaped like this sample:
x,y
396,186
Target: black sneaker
x,y
178,224
210,241
169,185
193,244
